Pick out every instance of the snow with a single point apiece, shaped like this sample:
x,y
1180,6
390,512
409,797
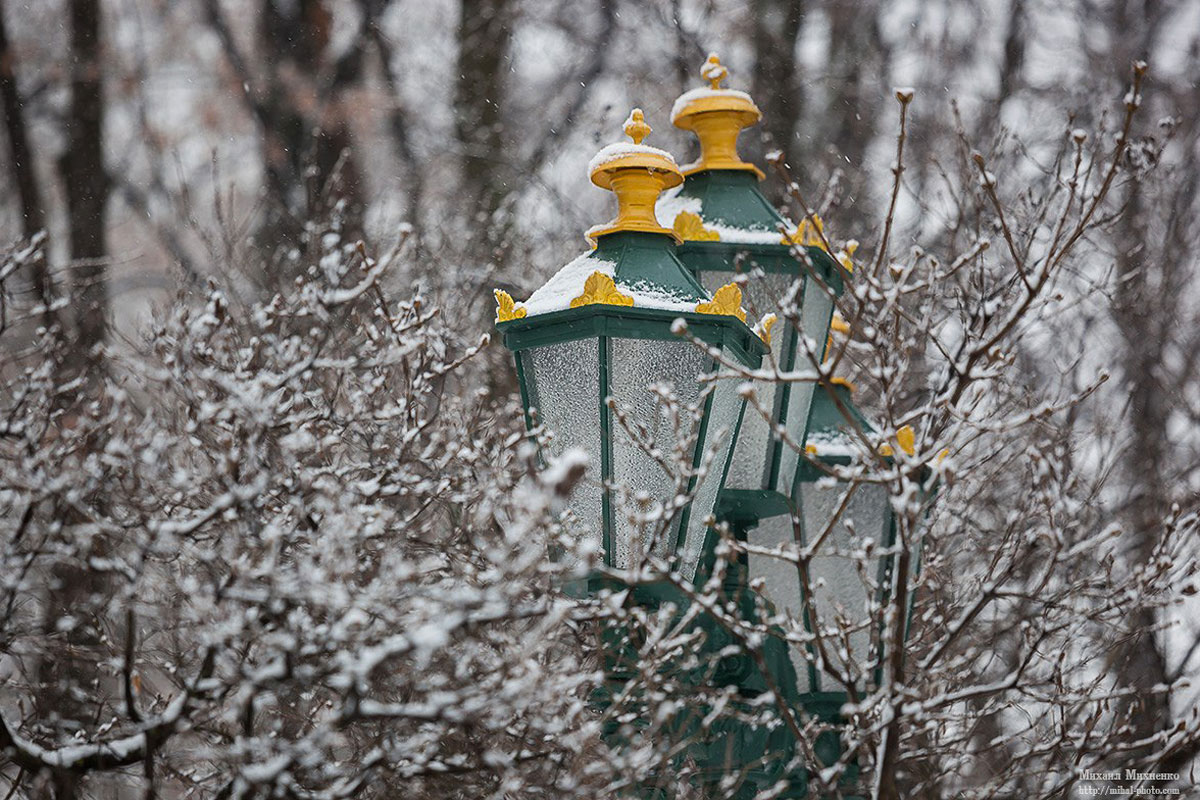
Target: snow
x,y
557,293
566,284
670,205
745,235
833,445
687,98
619,150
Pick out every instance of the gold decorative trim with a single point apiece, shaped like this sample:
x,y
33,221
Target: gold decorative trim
x,y
764,328
727,301
601,289
808,232
506,309
906,437
843,255
690,228
840,381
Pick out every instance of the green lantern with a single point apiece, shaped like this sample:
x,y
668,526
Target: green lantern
x,y
729,228
591,342
841,521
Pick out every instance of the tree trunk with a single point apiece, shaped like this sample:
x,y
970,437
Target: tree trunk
x,y
775,83
86,182
484,35
33,215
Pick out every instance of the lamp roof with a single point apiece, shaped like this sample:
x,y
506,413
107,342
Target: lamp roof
x,y
634,262
719,200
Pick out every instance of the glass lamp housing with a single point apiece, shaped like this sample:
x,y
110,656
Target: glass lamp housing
x,y
841,590
572,361
730,206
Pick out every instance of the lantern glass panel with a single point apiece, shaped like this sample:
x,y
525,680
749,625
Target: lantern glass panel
x,y
815,313
781,582
839,588
563,385
725,406
752,454
636,365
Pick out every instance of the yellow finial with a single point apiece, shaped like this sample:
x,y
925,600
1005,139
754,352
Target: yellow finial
x,y
713,71
636,127
716,116
637,174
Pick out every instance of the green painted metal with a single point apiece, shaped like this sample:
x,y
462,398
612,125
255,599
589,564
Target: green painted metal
x,y
651,262
731,197
606,457
642,262
631,322
648,262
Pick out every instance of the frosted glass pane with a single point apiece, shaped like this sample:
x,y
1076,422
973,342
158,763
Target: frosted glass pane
x,y
814,322
752,455
838,587
566,394
722,417
635,365
781,584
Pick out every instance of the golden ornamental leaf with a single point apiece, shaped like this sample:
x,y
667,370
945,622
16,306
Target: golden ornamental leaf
x,y
726,301
843,258
808,232
764,328
690,228
907,438
601,289
506,309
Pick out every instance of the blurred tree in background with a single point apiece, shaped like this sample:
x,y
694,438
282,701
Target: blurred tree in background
x,y
165,153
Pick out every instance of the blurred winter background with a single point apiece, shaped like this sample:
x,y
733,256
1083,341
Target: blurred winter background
x,y
473,121
153,145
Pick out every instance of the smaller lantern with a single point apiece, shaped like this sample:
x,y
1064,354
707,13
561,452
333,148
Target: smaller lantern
x,y
843,522
730,228
592,341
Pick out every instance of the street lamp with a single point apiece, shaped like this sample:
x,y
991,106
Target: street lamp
x,y
593,338
729,228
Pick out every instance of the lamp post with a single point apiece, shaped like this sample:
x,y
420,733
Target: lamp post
x,y
776,498
592,339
